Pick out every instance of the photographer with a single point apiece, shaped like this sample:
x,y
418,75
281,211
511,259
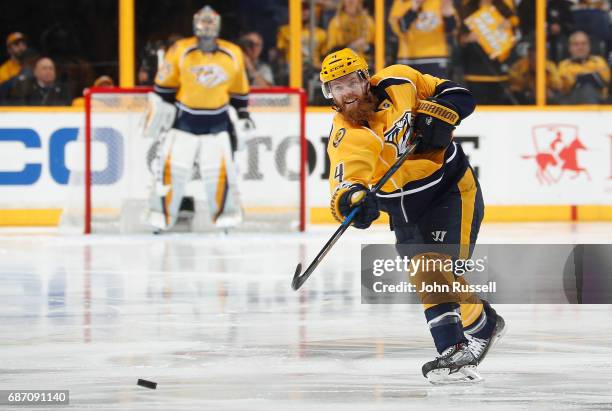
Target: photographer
x,y
258,72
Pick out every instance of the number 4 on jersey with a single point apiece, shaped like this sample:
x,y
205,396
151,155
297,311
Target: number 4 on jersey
x,y
339,172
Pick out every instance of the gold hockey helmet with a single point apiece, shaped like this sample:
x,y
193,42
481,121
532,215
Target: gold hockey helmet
x,y
338,64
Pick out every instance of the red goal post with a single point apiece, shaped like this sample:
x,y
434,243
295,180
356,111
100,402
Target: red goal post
x,y
294,98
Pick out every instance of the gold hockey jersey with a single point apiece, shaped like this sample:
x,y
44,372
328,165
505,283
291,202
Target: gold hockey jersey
x,y
344,29
203,81
362,154
425,38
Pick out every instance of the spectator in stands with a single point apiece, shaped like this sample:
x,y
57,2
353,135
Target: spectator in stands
x,y
258,72
422,27
352,27
43,89
73,71
16,46
102,81
328,10
522,79
151,57
592,17
484,62
28,60
560,24
309,57
585,77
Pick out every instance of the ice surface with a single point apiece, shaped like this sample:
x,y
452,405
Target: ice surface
x,y
212,319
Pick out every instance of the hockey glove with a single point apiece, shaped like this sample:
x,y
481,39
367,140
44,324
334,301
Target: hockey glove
x,y
245,127
355,195
434,125
245,122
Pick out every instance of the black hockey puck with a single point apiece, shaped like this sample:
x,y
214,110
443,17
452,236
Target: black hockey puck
x,y
147,384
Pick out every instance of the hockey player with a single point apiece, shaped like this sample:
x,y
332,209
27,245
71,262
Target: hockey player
x,y
434,198
200,78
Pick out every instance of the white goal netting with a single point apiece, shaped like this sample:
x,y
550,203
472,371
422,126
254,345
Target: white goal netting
x,y
115,197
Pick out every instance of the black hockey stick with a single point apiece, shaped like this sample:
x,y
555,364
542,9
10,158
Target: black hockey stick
x,y
300,278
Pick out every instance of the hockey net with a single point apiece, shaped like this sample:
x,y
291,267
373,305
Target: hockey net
x,y
110,192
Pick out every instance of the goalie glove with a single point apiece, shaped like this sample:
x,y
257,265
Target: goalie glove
x,y
434,125
159,117
245,127
346,199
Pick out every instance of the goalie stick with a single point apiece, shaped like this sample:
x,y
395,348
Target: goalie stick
x,y
300,278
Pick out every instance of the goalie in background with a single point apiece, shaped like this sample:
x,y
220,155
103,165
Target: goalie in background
x,y
433,198
189,113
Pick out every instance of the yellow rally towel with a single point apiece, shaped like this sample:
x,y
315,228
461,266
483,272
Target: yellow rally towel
x,y
496,41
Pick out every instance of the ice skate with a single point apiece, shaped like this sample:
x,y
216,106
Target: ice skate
x,y
480,346
456,365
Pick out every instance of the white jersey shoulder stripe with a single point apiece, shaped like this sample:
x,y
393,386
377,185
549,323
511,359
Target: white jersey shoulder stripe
x,y
414,190
184,54
448,160
231,54
382,143
451,89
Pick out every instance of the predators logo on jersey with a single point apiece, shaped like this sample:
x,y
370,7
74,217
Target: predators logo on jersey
x,y
210,75
398,133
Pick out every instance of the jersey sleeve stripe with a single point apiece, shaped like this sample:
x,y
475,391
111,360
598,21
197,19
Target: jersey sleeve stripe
x,y
160,89
451,89
239,103
394,81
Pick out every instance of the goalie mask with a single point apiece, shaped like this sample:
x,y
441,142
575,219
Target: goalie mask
x,y
206,23
339,64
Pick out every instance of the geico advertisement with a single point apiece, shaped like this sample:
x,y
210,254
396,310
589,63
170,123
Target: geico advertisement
x,y
520,157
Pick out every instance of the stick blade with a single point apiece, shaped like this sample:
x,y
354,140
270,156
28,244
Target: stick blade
x,y
296,284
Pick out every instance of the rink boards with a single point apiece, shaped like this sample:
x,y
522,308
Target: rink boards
x,y
533,164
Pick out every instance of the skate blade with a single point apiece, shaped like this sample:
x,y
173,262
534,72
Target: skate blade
x,y
465,375
499,335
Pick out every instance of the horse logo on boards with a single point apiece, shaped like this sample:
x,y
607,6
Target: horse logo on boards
x,y
556,152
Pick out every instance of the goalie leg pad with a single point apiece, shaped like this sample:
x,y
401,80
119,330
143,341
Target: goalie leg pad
x,y
178,153
219,178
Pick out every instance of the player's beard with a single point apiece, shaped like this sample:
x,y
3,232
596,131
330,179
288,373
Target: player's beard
x,y
360,113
